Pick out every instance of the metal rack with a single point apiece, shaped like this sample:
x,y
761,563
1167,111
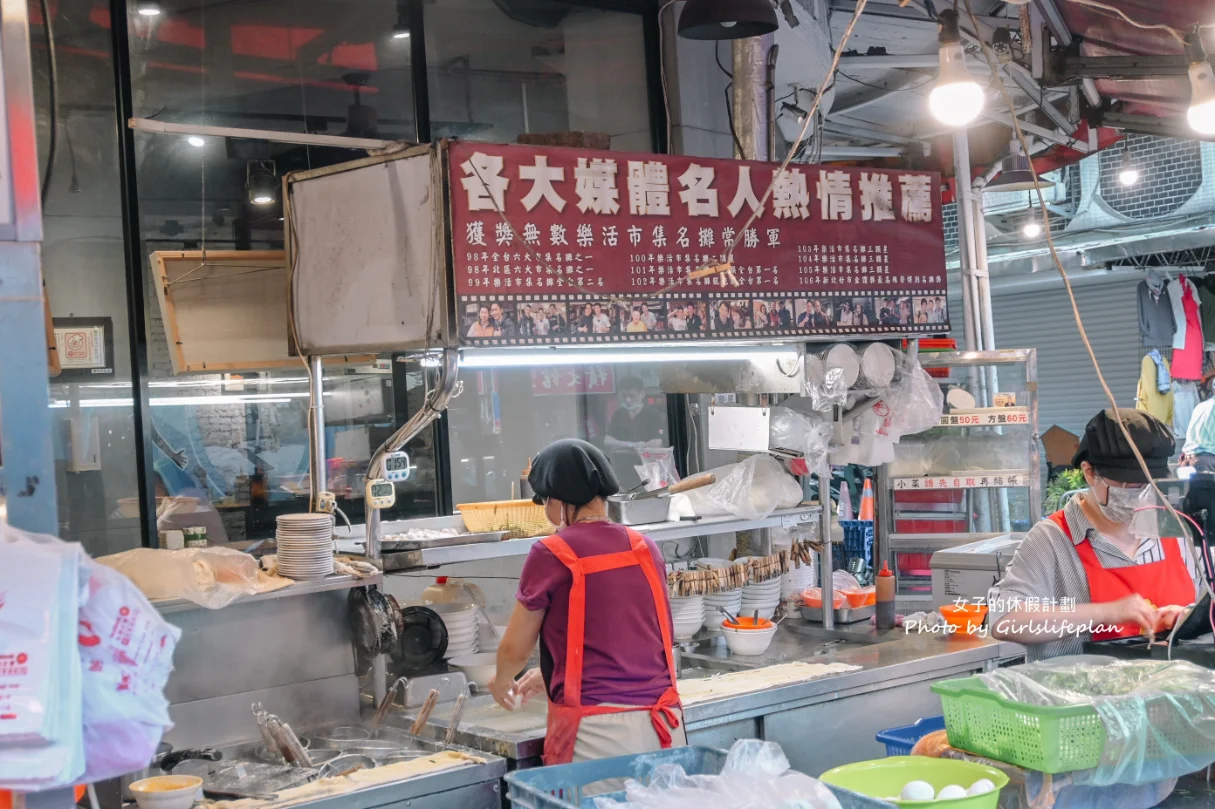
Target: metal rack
x,y
985,492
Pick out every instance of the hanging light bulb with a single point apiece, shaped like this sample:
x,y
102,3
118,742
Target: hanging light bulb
x,y
401,29
148,9
1127,174
261,184
957,99
1201,113
196,141
1032,230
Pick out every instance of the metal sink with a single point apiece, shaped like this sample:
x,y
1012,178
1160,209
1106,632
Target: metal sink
x,y
862,637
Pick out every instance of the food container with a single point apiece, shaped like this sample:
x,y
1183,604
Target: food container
x,y
886,777
843,615
635,511
747,640
167,791
966,619
478,668
813,597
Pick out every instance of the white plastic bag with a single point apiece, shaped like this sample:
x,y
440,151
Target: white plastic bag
x,y
806,435
916,402
751,490
210,577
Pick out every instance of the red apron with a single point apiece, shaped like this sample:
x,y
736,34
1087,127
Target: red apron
x,y
1166,583
564,719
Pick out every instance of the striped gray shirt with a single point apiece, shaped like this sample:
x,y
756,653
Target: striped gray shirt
x,y
1046,566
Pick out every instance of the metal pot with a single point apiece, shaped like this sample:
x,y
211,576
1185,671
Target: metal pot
x,y
642,508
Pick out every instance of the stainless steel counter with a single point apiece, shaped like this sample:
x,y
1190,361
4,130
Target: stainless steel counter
x,y
820,723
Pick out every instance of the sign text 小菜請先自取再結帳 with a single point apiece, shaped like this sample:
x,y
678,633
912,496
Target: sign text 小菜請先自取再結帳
x,y
555,245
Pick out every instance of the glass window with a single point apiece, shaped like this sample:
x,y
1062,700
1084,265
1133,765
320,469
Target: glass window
x,y
288,65
505,416
501,68
84,266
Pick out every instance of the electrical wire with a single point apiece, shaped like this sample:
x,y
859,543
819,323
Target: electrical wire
x,y
729,101
992,63
662,75
52,62
1159,26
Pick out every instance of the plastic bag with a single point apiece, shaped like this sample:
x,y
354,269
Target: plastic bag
x,y
756,775
800,433
657,467
1159,716
210,577
751,490
916,402
865,439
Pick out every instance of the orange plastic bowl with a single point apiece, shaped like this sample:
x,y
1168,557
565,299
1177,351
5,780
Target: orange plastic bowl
x,y
856,598
747,623
964,620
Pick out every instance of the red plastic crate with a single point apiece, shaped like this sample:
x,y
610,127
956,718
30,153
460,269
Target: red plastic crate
x,y
935,496
931,526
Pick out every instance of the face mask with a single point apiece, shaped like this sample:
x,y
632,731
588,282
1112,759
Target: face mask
x,y
1120,504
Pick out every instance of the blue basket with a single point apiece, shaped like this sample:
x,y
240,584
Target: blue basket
x,y
899,741
561,786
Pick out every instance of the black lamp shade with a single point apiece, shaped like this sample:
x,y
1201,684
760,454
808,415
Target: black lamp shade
x,y
727,19
1016,176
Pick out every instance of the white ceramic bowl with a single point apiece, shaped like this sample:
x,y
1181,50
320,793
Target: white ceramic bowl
x,y
764,612
688,629
166,791
748,642
478,668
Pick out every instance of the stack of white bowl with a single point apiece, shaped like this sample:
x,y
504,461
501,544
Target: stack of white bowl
x,y
730,601
305,545
688,615
461,622
793,583
763,597
487,640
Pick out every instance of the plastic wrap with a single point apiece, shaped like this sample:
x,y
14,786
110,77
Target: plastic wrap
x,y
916,402
800,433
756,775
1159,716
865,439
752,490
657,466
210,577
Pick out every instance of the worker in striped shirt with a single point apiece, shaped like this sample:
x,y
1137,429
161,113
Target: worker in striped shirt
x,y
1081,573
1199,448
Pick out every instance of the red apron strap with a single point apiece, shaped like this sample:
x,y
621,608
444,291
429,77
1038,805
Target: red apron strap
x,y
1060,520
658,589
608,561
576,626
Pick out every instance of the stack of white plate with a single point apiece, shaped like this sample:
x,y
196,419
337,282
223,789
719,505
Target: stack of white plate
x,y
763,597
305,545
688,615
730,601
462,632
796,580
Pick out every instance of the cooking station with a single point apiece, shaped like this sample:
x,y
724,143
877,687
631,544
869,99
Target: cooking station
x,y
292,652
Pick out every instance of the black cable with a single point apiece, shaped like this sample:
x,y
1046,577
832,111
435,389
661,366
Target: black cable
x,y
730,119
52,97
927,80
717,58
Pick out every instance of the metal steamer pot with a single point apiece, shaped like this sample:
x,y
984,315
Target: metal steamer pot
x,y
642,508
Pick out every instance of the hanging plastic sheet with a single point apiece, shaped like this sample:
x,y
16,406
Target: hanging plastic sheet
x,y
1158,716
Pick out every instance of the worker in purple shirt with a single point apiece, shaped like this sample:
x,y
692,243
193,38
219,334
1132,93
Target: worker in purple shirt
x,y
606,657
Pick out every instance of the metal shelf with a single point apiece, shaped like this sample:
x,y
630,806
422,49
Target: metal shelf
x,y
659,532
301,588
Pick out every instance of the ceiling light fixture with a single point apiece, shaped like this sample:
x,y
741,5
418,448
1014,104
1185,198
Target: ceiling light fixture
x,y
1127,174
727,19
1032,230
1015,173
401,29
957,98
196,141
1201,113
261,182
148,9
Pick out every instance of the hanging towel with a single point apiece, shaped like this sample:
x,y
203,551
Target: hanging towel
x,y
1164,382
1156,323
1149,397
1176,292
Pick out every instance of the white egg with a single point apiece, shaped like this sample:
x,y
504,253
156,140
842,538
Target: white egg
x,y
917,791
981,787
951,792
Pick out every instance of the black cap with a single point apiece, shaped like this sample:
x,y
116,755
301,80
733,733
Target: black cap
x,y
1104,446
573,471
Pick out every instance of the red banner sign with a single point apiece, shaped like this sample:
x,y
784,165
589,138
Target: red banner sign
x,y
567,246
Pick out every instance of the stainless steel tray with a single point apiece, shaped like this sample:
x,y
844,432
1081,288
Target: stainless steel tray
x,y
389,545
844,615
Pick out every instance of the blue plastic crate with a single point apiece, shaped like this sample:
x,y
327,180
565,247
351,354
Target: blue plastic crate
x,y
858,542
561,786
899,741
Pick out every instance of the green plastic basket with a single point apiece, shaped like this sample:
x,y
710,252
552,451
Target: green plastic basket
x,y
1046,739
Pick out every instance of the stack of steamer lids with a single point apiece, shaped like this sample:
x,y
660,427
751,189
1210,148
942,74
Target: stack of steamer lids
x,y
305,545
461,622
797,579
762,597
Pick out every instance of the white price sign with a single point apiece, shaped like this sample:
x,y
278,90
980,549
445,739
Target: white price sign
x,y
990,417
963,480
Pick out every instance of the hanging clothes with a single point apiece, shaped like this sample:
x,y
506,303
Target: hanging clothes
x,y
1150,398
1156,323
1188,342
1185,399
1206,309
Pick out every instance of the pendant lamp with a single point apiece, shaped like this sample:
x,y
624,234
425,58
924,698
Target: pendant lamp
x,y
1015,174
727,19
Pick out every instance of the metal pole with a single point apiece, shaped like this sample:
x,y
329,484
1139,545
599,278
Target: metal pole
x,y
749,108
316,430
770,90
826,566
961,172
